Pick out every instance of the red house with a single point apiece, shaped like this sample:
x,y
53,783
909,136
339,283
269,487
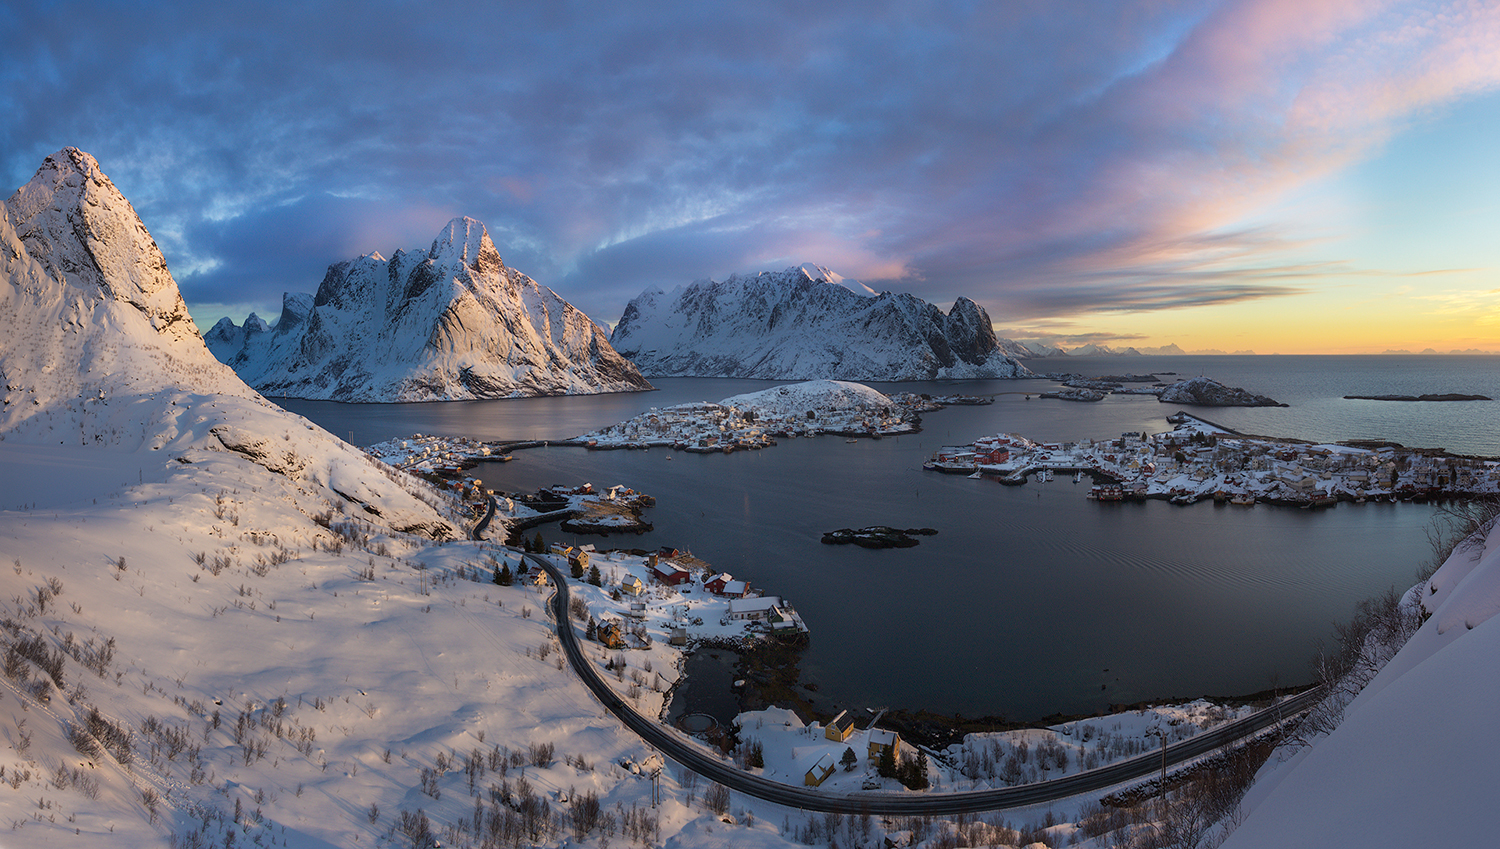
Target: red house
x,y
669,573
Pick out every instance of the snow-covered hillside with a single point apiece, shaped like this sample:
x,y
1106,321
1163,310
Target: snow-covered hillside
x,y
814,395
807,323
1417,757
449,323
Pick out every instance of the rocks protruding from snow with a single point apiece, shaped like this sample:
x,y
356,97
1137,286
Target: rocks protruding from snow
x,y
807,323
450,323
1206,392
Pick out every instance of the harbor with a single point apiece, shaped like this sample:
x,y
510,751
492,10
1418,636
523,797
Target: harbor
x,y
1199,460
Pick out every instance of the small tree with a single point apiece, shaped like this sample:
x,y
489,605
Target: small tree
x,y
497,578
755,755
537,545
594,577
503,577
592,631
849,760
577,569
886,766
716,798
918,779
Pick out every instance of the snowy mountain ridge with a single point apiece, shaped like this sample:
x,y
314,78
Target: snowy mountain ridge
x,y
807,323
96,349
450,323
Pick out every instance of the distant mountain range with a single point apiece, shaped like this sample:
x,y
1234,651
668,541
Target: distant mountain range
x,y
1467,352
449,323
1041,348
808,323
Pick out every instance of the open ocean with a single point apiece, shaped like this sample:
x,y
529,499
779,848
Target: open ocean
x,y
1031,600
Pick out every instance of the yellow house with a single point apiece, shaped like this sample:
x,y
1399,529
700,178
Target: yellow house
x,y
631,584
578,558
840,728
820,771
611,635
880,740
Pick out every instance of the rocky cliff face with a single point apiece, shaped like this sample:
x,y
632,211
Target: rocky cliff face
x,y
449,323
800,324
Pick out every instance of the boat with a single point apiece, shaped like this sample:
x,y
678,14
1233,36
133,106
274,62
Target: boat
x,y
851,440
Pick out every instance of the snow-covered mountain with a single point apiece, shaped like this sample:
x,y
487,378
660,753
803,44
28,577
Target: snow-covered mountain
x,y
97,349
449,323
807,323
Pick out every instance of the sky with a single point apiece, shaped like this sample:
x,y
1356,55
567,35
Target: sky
x,y
1288,176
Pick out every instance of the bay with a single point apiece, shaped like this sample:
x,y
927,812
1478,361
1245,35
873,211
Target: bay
x,y
1031,600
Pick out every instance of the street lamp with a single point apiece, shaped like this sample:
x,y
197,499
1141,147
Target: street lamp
x,y
1163,735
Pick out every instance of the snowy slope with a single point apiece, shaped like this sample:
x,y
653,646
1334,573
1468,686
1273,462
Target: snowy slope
x,y
1417,757
806,323
223,626
450,323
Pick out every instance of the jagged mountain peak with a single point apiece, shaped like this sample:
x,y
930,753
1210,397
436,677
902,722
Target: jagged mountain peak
x,y
806,323
80,227
818,272
451,323
467,241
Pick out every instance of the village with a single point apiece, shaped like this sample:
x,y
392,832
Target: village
x,y
644,610
708,428
1200,460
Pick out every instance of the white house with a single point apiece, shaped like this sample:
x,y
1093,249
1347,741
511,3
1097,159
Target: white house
x,y
753,608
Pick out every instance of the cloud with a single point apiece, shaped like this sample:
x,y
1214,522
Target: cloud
x,y
1043,158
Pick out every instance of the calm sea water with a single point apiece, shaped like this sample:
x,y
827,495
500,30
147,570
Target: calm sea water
x,y
1031,600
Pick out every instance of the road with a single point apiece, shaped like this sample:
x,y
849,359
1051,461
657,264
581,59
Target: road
x,y
710,766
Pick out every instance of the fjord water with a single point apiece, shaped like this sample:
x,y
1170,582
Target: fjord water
x,y
1031,600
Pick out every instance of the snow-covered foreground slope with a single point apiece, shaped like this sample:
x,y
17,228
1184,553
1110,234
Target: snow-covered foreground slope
x,y
449,323
219,619
807,323
1416,760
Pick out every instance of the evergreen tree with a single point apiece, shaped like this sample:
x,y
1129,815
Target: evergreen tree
x,y
919,780
503,577
886,766
849,760
594,577
577,569
497,575
592,632
538,546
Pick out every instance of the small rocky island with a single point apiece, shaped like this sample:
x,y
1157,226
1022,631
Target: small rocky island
x,y
877,536
1207,392
1449,396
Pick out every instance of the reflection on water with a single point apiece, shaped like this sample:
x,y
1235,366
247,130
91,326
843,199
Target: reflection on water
x,y
1030,600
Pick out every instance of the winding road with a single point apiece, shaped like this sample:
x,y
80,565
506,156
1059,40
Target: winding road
x,y
710,766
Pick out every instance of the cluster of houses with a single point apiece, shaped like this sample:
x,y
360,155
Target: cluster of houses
x,y
1198,460
877,742
698,427
440,455
704,427
658,591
